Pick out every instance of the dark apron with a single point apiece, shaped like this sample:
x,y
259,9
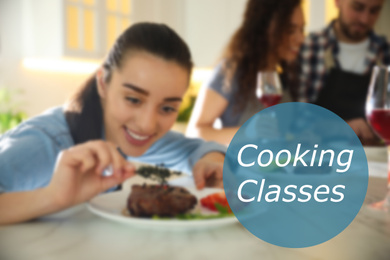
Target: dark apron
x,y
344,93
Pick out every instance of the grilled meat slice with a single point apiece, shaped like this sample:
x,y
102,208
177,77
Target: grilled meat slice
x,y
161,200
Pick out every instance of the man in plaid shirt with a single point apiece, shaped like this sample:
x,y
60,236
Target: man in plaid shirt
x,y
336,63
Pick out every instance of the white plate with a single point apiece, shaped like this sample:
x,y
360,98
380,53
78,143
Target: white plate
x,y
112,206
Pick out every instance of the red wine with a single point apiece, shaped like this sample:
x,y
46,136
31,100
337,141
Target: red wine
x,y
270,99
380,122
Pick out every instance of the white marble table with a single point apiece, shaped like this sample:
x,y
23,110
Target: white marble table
x,y
79,234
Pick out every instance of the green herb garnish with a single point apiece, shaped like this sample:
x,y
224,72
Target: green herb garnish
x,y
158,173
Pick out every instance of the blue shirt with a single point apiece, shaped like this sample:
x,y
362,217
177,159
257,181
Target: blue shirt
x,y
232,116
28,152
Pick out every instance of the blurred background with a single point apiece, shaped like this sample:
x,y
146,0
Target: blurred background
x,y
48,48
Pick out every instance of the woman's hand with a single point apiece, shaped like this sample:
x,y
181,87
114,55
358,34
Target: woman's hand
x,y
362,129
208,171
78,172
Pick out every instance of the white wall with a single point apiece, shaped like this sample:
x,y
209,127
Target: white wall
x,y
209,26
41,90
41,20
316,16
206,25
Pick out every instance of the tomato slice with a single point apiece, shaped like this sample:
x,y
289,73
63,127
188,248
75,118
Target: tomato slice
x,y
211,200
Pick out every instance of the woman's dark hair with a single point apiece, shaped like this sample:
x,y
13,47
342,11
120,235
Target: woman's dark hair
x,y
84,113
248,49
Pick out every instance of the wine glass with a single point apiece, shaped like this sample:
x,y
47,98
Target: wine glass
x,y
378,115
268,88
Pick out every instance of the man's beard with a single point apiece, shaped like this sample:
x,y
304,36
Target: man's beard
x,y
345,28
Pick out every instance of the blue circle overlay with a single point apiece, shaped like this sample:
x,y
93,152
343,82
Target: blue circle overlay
x,y
295,175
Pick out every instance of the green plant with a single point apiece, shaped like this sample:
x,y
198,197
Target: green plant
x,y
186,110
10,115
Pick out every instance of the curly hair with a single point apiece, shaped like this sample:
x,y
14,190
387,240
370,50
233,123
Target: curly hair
x,y
248,49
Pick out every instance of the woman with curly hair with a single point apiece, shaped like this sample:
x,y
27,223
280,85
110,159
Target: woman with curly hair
x,y
269,37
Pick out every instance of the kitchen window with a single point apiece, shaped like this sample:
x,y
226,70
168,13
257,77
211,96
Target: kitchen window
x,y
91,26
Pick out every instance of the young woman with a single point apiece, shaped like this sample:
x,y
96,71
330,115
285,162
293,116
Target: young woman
x,y
56,160
270,35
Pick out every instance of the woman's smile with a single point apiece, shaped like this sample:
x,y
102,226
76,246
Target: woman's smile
x,y
136,138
